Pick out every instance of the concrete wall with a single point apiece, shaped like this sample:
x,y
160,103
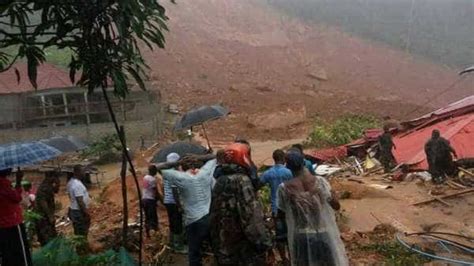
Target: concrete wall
x,y
149,129
10,104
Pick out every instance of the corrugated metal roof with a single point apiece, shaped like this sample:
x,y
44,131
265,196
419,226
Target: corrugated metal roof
x,y
458,130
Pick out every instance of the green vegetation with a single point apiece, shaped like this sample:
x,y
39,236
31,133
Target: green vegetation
x,y
265,197
59,57
30,217
106,150
340,131
99,39
395,254
437,29
53,55
108,143
62,251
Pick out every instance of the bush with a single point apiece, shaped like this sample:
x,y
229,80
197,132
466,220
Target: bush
x,y
396,254
62,251
341,131
106,150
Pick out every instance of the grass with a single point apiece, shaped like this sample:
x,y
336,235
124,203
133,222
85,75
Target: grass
x,y
54,55
341,131
58,57
395,254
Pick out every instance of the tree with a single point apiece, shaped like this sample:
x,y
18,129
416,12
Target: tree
x,y
104,35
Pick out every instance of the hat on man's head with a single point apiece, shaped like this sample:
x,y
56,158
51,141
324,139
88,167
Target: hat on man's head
x,y
172,157
238,153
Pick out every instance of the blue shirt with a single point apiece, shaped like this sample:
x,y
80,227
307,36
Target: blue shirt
x,y
274,177
309,166
194,190
168,197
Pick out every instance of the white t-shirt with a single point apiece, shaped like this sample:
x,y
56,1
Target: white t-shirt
x,y
149,187
75,189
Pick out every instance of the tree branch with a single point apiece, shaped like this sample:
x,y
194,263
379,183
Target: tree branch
x,y
10,65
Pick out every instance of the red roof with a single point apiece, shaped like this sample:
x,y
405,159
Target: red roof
x,y
458,130
463,106
49,76
328,153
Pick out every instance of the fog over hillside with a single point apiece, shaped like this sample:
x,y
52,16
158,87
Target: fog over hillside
x,y
441,30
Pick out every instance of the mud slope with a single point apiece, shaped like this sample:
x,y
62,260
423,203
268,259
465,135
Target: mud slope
x,y
257,61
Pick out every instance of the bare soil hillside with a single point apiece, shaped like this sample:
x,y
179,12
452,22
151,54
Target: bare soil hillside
x,y
259,62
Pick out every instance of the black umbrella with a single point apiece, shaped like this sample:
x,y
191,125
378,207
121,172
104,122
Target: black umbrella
x,y
199,116
467,70
65,144
182,148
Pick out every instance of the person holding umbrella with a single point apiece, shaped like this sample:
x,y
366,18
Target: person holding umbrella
x,y
14,249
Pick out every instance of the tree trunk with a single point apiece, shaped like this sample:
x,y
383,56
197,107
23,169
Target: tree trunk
x,y
134,174
123,176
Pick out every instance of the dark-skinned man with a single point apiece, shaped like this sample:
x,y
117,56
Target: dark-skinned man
x,y
386,145
46,226
14,249
438,154
79,198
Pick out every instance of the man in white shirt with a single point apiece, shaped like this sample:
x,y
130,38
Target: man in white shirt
x,y
173,208
79,198
195,189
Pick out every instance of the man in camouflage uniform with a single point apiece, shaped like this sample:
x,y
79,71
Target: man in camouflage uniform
x,y
438,154
238,233
385,145
46,226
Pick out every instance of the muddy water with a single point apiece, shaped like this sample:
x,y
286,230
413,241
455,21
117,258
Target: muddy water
x,y
395,206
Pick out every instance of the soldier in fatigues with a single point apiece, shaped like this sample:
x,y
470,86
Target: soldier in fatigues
x,y
46,226
238,233
385,145
438,154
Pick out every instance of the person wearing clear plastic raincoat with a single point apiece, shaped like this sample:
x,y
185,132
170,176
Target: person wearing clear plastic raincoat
x,y
307,203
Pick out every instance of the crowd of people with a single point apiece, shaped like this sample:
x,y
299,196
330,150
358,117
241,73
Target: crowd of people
x,y
214,198
16,198
209,199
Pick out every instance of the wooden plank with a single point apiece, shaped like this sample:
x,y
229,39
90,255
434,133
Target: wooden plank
x,y
455,185
466,171
453,195
442,201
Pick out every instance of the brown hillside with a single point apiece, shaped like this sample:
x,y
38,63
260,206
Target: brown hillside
x,y
258,61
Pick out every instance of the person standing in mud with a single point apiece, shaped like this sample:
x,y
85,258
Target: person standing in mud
x,y
46,226
194,185
174,210
275,176
253,168
14,246
79,198
385,146
238,232
308,164
438,154
150,198
307,203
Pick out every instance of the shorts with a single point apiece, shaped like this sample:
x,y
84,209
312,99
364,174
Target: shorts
x,y
281,230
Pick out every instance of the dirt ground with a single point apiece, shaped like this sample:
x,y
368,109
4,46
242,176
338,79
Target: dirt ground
x,y
259,62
